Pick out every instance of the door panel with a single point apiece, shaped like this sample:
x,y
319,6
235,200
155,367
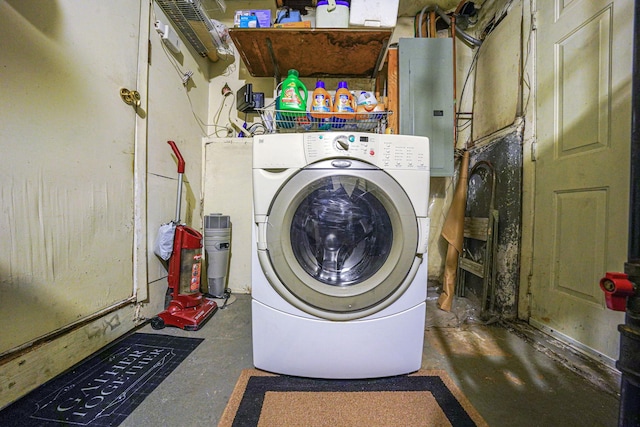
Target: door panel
x,y
583,91
66,172
578,256
582,168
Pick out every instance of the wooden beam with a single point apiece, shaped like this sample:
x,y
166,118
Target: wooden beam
x,y
20,375
392,90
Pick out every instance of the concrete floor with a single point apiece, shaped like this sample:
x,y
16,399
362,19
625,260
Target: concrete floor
x,y
512,375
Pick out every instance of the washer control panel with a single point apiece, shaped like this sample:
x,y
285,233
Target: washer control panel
x,y
386,151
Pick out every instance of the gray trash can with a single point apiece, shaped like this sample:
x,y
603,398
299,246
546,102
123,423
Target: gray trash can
x,y
217,242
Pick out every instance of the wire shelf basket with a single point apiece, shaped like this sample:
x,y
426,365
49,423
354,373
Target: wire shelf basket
x,y
279,121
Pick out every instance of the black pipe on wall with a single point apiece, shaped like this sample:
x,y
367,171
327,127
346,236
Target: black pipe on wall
x,y
634,197
629,359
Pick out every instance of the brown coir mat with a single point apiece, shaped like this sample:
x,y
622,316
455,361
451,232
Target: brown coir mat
x,y
425,398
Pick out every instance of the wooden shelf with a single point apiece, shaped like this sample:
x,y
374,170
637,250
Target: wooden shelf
x,y
271,52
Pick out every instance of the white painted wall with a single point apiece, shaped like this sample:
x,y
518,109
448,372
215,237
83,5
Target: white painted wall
x,y
179,113
228,190
83,188
498,76
54,223
169,111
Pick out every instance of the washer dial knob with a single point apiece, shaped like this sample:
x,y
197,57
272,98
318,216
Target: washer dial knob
x,y
341,143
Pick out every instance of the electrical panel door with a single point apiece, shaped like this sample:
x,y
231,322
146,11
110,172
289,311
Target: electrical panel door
x,y
425,69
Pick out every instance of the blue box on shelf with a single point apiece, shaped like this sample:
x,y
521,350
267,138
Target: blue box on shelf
x,y
249,21
253,18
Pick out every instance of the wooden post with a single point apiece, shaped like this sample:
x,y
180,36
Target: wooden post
x,y
393,90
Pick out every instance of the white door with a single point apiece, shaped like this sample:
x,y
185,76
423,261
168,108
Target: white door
x,y
66,168
582,168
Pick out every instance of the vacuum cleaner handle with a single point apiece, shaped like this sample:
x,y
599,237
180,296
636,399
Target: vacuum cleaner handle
x,y
178,155
180,172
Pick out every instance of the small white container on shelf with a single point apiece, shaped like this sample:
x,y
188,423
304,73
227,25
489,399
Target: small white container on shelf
x,y
310,16
329,15
374,13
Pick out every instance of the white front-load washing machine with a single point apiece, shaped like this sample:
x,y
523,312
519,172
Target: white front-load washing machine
x,y
339,278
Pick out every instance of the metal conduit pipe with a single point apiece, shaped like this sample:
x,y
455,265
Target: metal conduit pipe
x,y
459,33
629,358
634,197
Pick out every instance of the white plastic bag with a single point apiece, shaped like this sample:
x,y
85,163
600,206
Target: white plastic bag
x,y
221,38
163,246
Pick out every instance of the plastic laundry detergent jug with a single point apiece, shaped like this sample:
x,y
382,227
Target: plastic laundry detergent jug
x,y
294,94
321,103
343,106
321,107
368,111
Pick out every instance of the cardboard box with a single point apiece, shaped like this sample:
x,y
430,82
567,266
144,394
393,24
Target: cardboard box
x,y
249,21
301,24
239,13
263,17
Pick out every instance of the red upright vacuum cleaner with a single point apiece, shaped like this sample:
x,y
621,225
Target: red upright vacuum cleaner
x,y
188,308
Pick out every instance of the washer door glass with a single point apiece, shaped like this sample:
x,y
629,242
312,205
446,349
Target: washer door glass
x,y
340,233
341,239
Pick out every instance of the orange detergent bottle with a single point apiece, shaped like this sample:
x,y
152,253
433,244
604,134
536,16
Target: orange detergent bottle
x,y
321,104
344,106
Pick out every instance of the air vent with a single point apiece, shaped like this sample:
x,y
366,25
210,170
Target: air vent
x,y
192,20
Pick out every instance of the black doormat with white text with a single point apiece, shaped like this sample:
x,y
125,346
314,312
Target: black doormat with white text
x,y
104,389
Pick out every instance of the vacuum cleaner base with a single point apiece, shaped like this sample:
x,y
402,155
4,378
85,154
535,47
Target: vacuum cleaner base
x,y
189,319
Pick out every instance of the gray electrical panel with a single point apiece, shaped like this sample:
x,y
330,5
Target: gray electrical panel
x,y
425,78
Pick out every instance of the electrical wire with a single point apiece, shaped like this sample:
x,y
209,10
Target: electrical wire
x,y
420,21
497,18
231,68
472,66
447,20
526,77
203,125
217,116
226,296
464,126
254,129
418,24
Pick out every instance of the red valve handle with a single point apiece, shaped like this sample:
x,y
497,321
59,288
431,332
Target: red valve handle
x,y
174,147
617,287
